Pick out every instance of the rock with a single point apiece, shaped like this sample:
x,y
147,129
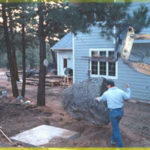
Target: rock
x,y
27,102
78,101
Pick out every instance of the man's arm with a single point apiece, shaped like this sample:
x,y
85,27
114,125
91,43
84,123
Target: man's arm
x,y
127,94
101,98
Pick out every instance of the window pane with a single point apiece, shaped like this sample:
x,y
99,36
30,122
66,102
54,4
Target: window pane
x,y
102,64
94,67
102,68
65,63
111,54
95,54
112,70
103,53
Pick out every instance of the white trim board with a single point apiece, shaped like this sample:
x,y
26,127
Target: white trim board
x,y
105,76
73,58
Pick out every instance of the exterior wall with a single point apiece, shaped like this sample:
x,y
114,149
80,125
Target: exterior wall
x,y
140,83
82,44
60,56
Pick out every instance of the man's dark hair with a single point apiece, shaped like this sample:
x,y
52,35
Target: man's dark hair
x,y
110,82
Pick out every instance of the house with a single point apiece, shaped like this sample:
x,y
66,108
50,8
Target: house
x,y
75,51
63,48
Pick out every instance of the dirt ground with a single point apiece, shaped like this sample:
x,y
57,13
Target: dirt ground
x,y
15,118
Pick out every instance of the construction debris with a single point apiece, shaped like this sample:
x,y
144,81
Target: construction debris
x,y
27,102
6,137
78,101
20,99
51,80
43,134
140,67
4,94
32,79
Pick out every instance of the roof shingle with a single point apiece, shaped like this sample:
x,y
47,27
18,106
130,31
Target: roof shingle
x,y
64,43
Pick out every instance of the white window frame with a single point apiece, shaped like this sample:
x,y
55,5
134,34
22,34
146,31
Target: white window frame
x,y
105,76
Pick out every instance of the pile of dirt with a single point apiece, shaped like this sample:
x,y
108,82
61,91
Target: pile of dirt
x,y
16,117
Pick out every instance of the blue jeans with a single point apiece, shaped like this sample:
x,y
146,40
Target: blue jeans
x,y
115,116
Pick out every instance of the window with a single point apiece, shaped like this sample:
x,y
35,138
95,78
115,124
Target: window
x,y
95,53
94,67
111,54
112,65
65,63
103,53
102,68
112,69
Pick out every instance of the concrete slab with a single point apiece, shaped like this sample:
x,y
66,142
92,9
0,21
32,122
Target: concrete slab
x,y
42,135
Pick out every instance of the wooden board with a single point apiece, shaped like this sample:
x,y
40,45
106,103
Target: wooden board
x,y
128,43
143,36
141,67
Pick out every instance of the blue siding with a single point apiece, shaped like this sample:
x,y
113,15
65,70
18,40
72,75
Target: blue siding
x,y
140,83
82,44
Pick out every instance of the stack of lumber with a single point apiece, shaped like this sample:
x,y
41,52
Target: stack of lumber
x,y
50,80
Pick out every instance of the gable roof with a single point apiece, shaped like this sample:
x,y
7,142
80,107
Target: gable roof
x,y
64,43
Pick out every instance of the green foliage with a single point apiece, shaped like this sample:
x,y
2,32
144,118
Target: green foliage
x,y
139,19
60,18
125,18
32,58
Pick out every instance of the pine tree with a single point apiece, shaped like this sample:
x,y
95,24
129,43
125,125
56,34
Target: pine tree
x,y
9,51
48,21
23,16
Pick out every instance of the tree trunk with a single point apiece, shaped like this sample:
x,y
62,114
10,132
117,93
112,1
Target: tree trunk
x,y
41,86
54,58
53,55
9,53
23,61
116,54
32,61
1,64
12,46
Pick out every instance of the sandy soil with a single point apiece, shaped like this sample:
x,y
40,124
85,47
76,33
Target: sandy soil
x,y
15,118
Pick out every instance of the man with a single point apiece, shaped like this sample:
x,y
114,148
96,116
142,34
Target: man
x,y
114,97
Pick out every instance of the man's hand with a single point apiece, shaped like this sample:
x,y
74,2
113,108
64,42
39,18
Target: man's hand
x,y
96,99
127,85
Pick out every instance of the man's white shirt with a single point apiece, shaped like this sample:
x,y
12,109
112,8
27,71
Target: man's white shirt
x,y
115,97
